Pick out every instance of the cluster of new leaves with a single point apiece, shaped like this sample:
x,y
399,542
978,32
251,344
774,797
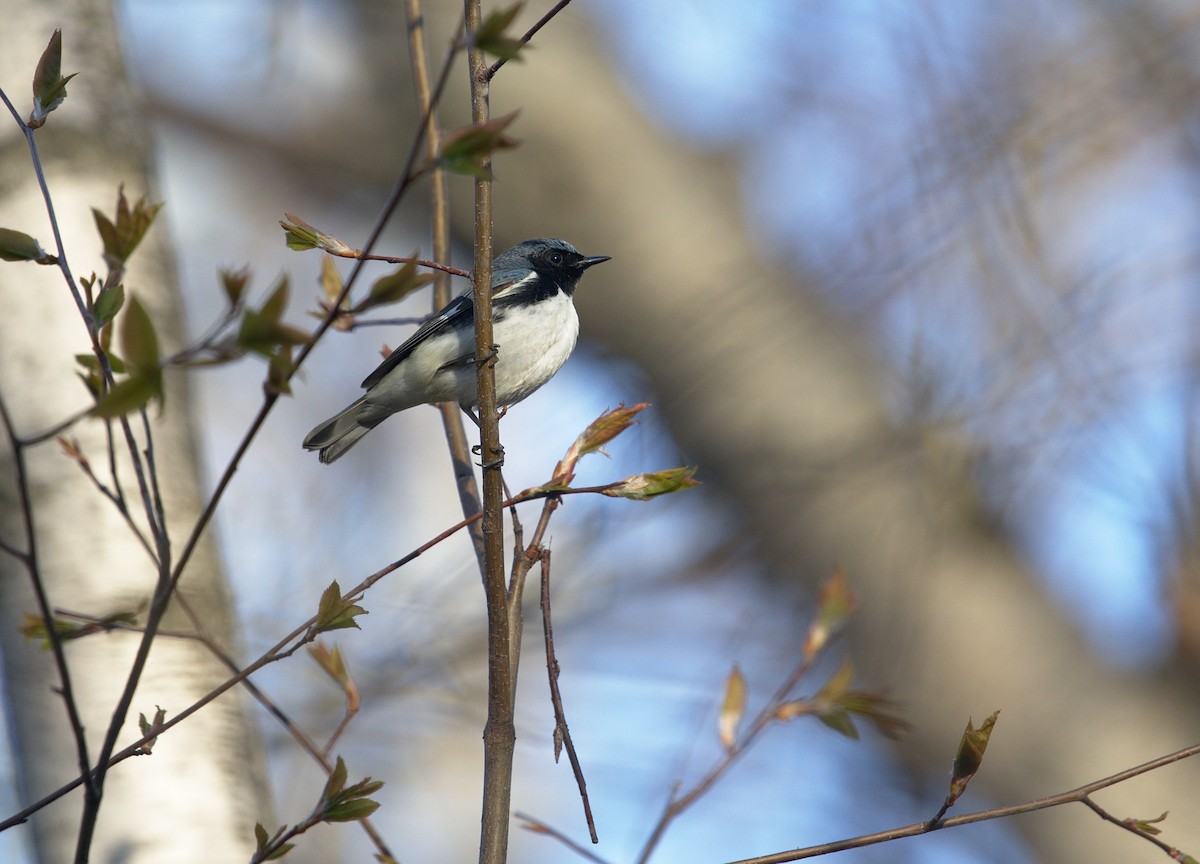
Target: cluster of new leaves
x,y
338,803
835,703
636,487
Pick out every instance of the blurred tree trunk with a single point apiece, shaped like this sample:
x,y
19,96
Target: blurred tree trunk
x,y
782,406
197,797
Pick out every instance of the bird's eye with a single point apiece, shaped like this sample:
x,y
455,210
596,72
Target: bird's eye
x,y
556,258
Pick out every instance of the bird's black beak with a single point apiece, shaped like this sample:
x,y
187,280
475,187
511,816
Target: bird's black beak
x,y
595,259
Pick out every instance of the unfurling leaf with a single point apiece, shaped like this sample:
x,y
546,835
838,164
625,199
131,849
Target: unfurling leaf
x,y
642,487
109,303
1148,826
970,755
122,234
490,36
733,708
467,150
234,284
34,627
263,841
606,427
334,613
299,235
49,85
19,246
151,727
335,667
836,605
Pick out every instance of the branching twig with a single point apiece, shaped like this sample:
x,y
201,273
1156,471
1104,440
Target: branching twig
x,y
30,559
285,647
1080,794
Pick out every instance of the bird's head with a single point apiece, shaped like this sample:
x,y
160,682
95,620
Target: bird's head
x,y
555,261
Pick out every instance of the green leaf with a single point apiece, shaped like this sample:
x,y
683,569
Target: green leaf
x,y
334,613
49,85
19,246
299,235
109,303
122,234
394,287
132,394
491,38
351,811
139,343
642,487
89,362
337,777
468,150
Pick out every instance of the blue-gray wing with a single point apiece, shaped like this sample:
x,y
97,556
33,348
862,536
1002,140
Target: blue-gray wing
x,y
459,312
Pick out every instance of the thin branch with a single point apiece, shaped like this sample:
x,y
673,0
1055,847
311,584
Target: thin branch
x,y
538,827
562,734
1080,794
529,34
29,557
452,425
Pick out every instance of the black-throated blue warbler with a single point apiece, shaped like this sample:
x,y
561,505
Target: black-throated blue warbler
x,y
534,327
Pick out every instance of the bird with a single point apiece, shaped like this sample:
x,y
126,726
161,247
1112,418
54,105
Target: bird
x,y
534,328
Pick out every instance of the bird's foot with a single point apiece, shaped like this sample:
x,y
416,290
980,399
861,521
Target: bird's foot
x,y
496,462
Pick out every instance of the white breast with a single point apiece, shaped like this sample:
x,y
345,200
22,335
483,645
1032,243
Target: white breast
x,y
533,343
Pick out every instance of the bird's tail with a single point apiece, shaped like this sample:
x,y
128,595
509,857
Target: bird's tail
x,y
337,434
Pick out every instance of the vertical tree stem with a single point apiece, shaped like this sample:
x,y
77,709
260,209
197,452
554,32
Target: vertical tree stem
x,y
499,735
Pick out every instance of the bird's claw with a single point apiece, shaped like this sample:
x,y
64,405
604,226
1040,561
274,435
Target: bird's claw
x,y
491,463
